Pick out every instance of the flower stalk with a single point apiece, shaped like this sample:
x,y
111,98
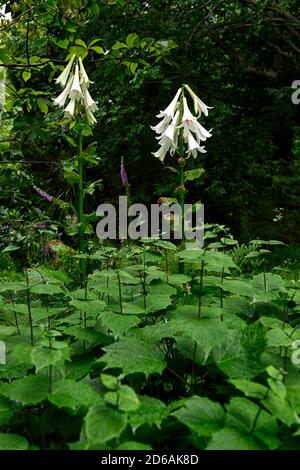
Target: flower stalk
x,y
81,242
75,82
179,128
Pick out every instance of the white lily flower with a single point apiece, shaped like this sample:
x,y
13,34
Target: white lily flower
x,y
165,147
168,129
193,145
88,101
199,106
189,122
61,99
161,127
76,85
76,91
90,117
172,108
83,75
171,133
70,109
63,78
170,139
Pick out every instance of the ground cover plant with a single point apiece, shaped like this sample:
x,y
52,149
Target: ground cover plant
x,y
145,344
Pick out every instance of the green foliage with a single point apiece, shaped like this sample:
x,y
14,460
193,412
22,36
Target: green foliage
x,y
143,355
193,362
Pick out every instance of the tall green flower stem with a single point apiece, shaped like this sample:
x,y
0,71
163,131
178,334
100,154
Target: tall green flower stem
x,y
82,261
181,187
29,307
75,83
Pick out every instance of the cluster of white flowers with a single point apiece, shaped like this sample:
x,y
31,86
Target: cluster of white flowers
x,y
75,83
174,119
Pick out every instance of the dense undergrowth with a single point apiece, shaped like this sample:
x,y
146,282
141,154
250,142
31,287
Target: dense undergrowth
x,y
146,358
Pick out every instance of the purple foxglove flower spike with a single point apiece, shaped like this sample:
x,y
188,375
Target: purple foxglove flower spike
x,y
123,173
41,225
43,194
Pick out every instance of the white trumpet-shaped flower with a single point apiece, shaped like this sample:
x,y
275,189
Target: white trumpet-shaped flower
x,y
166,145
161,127
83,75
199,106
76,91
75,81
63,78
88,100
190,124
177,120
90,117
61,99
171,109
70,109
193,145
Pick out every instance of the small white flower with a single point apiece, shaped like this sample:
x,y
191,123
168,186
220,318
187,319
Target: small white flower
x,y
63,78
61,99
162,125
172,134
70,109
190,124
193,145
199,106
88,101
83,75
90,117
76,91
166,145
172,108
200,131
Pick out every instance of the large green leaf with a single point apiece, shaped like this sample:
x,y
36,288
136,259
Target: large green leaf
x,y
90,335
293,395
125,398
247,416
134,356
207,333
43,356
267,286
118,323
277,337
7,330
6,410
132,445
237,287
159,296
281,409
13,442
202,416
250,389
73,395
90,307
240,356
234,439
217,261
13,286
151,411
29,390
103,423
47,289
42,313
